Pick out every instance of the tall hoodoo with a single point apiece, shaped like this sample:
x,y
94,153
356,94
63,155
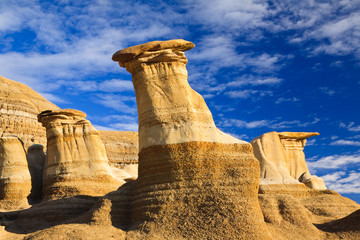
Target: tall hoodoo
x,y
15,180
76,162
194,180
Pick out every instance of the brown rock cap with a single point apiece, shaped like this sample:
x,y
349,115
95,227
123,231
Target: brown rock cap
x,y
128,54
46,116
298,135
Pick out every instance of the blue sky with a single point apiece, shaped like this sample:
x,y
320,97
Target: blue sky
x,y
261,65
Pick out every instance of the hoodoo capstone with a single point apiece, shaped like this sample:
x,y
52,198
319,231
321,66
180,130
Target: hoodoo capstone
x,y
76,162
194,180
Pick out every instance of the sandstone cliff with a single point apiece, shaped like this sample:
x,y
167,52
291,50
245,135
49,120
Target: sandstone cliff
x,y
121,147
19,107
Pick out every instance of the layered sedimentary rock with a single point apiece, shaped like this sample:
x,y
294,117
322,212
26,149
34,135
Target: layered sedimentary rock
x,y
282,160
15,180
19,107
36,161
76,162
121,147
194,182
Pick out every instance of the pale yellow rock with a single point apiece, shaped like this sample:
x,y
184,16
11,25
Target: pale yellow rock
x,y
194,181
282,160
76,162
121,147
19,107
15,180
169,110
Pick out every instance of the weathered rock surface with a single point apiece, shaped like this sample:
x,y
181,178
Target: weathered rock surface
x,y
15,181
195,182
121,147
169,110
76,161
282,160
19,107
298,212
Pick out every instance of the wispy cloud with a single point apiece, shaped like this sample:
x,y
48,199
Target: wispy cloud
x,y
334,161
283,99
116,122
342,182
247,93
327,91
351,127
271,124
345,143
121,103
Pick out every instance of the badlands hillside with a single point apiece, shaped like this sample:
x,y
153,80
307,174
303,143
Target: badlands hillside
x,y
180,177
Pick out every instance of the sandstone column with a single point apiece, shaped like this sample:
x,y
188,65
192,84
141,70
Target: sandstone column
x,y
194,180
282,160
76,162
15,181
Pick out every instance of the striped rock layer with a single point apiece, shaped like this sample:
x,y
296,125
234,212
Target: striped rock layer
x,y
76,162
194,182
121,147
282,159
15,180
19,107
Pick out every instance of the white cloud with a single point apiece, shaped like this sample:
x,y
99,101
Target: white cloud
x,y
272,124
311,142
327,91
334,161
351,127
254,81
116,85
116,122
343,182
121,103
345,143
283,99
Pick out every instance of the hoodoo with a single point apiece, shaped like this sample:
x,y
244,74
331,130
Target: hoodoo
x,y
76,162
194,180
15,180
282,160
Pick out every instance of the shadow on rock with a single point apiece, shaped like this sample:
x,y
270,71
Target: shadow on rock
x,y
112,209
350,223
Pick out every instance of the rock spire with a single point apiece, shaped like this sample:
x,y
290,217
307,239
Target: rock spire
x,y
194,180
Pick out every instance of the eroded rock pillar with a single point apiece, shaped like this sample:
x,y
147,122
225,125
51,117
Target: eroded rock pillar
x,y
15,180
282,160
76,162
194,180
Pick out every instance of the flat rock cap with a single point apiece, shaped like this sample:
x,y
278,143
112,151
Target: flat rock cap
x,y
127,54
66,112
297,135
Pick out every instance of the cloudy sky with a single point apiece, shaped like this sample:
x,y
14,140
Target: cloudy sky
x,y
277,65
